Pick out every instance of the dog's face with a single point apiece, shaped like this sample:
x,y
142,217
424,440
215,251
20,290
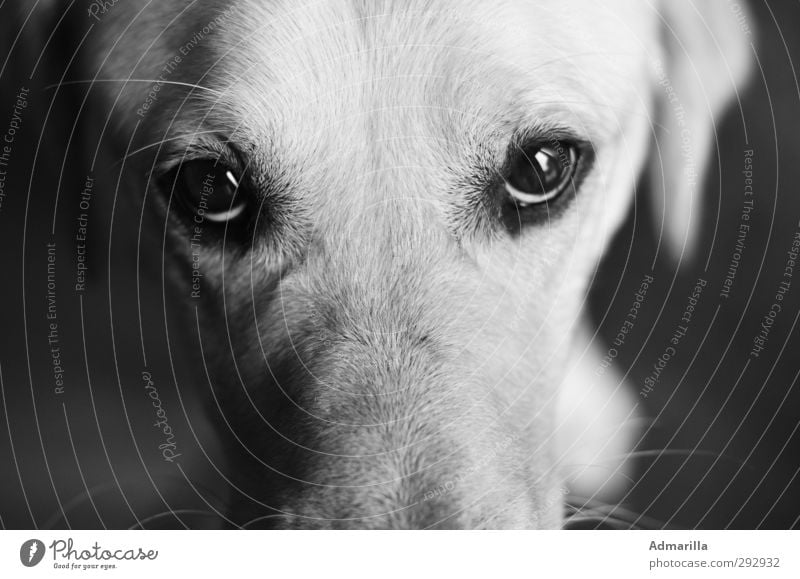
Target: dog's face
x,y
388,214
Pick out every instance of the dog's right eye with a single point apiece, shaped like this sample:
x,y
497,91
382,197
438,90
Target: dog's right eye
x,y
540,174
539,179
209,191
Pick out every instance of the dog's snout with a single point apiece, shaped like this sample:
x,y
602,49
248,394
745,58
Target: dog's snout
x,y
385,431
375,407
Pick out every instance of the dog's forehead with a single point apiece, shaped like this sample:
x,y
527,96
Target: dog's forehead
x,y
491,66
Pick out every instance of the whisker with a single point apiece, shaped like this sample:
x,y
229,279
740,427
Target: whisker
x,y
687,452
618,511
100,489
608,106
127,80
600,506
161,142
264,518
192,512
605,520
78,500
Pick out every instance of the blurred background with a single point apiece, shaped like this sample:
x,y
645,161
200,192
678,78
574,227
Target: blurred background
x,y
720,446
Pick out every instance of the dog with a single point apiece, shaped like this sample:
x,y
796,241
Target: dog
x,y
381,220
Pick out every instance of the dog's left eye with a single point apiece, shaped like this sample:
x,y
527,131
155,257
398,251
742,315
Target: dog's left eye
x,y
210,191
541,173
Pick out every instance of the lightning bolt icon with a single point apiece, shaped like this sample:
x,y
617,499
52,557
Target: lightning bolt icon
x,y
34,548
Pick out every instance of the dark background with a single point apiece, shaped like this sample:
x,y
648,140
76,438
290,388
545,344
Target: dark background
x,y
720,447
731,434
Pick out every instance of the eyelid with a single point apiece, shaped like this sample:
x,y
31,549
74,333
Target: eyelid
x,y
220,150
520,143
516,218
531,137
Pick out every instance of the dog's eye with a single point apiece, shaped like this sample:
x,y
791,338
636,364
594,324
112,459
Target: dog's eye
x,y
210,191
541,173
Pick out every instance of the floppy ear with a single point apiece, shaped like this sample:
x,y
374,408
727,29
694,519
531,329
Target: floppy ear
x,y
52,151
706,55
27,28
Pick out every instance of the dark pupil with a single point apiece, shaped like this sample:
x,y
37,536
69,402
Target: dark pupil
x,y
208,187
536,171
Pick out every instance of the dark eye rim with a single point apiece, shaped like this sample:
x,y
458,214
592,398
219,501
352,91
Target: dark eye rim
x,y
213,218
516,216
181,211
528,157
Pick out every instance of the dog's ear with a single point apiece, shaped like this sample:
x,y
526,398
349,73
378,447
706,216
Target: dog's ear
x,y
706,51
28,28
53,150
39,41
